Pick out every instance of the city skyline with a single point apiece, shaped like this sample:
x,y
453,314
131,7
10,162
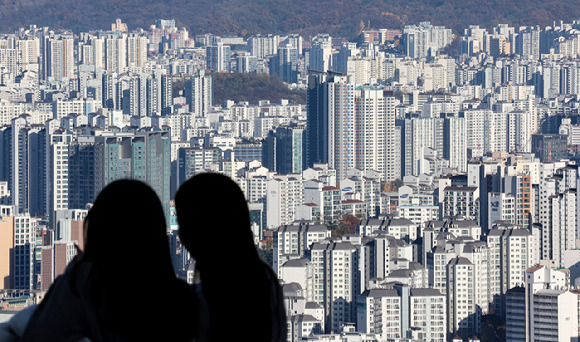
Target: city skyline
x,y
428,185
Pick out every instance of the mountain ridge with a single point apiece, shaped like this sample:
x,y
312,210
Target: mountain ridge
x,y
336,17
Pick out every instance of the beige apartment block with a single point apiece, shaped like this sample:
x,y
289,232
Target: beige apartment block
x,y
6,250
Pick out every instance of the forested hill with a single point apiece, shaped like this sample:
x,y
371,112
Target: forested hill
x,y
242,17
252,88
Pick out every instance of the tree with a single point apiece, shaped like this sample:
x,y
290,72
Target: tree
x,y
389,187
346,226
398,183
253,87
492,328
393,186
266,252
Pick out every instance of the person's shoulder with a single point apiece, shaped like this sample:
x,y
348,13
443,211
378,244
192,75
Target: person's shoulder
x,y
14,329
62,312
72,283
7,333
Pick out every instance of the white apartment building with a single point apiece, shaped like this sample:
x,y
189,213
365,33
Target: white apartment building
x,y
463,228
384,250
464,315
58,164
434,77
425,40
320,56
461,201
62,108
376,136
428,314
199,93
302,326
24,251
263,46
10,110
557,212
292,241
298,271
419,132
409,273
542,313
418,214
379,312
455,148
284,194
322,173
485,131
501,207
519,131
336,281
511,251
255,189
554,315
477,253
59,54
363,185
327,198
136,50
399,228
392,313
342,126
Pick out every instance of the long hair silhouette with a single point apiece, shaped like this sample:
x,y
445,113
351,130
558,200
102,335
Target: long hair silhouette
x,y
125,282
214,225
127,241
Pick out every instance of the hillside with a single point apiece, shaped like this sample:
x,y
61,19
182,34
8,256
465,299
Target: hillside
x,y
253,88
337,17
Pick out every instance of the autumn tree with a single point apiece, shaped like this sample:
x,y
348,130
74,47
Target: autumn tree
x,y
346,226
393,186
389,187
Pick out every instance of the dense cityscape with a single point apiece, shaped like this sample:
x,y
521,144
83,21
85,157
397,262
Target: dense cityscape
x,y
425,189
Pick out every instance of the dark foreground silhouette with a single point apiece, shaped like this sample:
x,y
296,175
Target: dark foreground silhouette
x,y
243,296
123,288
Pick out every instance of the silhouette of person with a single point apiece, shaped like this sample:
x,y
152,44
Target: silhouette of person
x,y
124,287
243,295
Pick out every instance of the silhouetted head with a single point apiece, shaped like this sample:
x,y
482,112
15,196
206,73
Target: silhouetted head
x,y
126,240
214,221
126,230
